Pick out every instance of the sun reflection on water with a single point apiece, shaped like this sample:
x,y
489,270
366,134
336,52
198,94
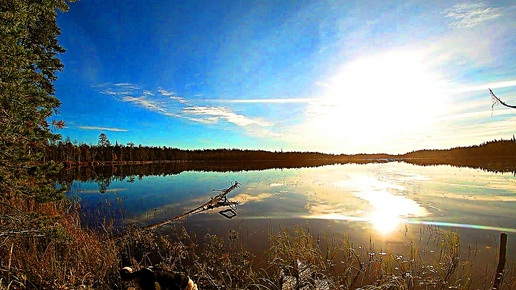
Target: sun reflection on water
x,y
384,222
389,210
386,206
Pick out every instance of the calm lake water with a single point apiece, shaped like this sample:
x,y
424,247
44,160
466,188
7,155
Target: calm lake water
x,y
379,202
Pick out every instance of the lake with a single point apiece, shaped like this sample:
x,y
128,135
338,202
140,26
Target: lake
x,y
383,203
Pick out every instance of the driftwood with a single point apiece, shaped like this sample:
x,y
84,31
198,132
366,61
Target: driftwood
x,y
220,200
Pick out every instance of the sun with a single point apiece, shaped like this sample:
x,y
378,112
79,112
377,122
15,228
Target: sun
x,y
394,92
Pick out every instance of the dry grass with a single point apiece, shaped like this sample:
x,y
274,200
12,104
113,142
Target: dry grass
x,y
49,246
44,246
213,262
295,254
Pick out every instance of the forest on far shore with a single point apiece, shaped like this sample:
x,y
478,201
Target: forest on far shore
x,y
104,160
106,153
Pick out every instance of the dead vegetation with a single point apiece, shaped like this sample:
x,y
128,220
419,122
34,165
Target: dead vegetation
x,y
49,246
44,246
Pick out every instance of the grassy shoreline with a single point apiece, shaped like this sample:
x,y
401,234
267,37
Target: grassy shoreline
x,y
49,246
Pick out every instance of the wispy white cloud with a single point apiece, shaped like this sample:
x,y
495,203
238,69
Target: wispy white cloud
x,y
146,103
128,86
471,14
267,101
215,114
179,99
478,38
166,93
170,104
95,128
172,96
148,93
472,131
493,85
120,89
194,84
130,93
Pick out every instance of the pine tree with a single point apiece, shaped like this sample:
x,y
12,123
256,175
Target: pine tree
x,y
103,140
28,66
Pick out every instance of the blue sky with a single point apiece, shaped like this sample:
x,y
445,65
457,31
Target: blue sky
x,y
328,76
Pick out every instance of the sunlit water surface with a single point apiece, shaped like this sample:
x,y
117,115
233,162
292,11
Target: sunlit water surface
x,y
380,202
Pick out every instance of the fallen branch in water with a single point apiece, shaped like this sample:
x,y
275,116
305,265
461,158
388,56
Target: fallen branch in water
x,y
219,200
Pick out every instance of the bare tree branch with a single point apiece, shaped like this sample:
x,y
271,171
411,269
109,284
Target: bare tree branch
x,y
497,100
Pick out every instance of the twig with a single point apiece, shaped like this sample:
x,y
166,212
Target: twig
x,y
22,232
497,100
9,264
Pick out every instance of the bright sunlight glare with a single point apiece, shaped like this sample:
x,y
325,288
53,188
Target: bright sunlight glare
x,y
381,203
388,210
383,95
384,222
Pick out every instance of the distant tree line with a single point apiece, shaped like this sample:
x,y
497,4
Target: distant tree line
x,y
83,154
501,159
104,160
487,150
106,153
